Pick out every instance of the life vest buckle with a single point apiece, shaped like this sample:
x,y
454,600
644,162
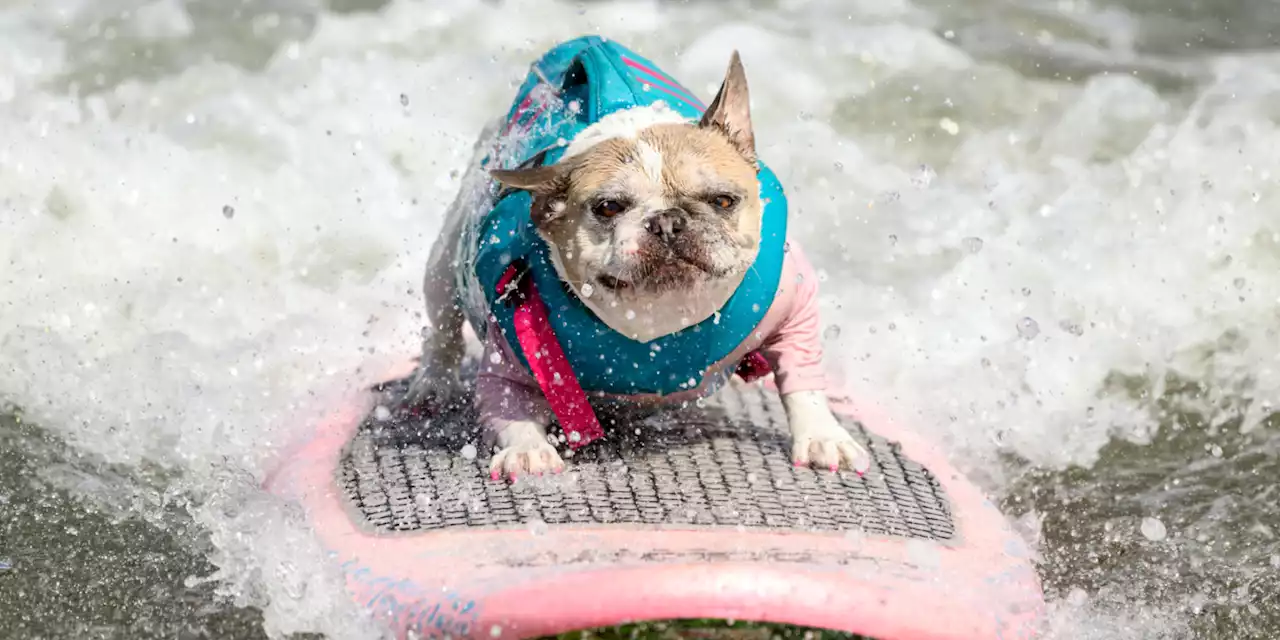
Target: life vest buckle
x,y
508,289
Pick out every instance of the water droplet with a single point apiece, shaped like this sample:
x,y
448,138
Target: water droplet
x,y
1028,328
1071,327
469,451
972,244
228,211
404,100
495,631
537,527
839,165
1026,291
381,413
1215,451
1256,196
893,239
631,314
1275,561
1238,283
574,436
587,289
423,501
832,332
1153,529
893,326
924,177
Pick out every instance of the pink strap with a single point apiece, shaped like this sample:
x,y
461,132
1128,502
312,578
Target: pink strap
x,y
548,362
753,367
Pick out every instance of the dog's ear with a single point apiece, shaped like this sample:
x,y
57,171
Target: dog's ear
x,y
543,179
730,112
548,184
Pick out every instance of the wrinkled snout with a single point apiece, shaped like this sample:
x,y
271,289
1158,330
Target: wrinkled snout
x,y
668,224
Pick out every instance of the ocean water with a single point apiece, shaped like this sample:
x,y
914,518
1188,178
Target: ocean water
x,y
1048,234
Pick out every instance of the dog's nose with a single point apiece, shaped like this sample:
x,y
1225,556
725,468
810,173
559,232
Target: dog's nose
x,y
666,224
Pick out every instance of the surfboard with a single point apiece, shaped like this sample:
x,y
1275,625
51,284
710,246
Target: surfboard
x,y
694,513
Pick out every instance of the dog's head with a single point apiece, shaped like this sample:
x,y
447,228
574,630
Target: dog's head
x,y
645,204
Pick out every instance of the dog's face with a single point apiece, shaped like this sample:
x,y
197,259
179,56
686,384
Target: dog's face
x,y
644,205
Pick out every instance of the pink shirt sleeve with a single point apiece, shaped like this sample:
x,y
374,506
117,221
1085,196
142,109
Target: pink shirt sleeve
x,y
793,346
505,392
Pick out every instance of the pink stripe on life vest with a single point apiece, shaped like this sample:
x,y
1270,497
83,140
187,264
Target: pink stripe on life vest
x,y
549,365
664,83
520,109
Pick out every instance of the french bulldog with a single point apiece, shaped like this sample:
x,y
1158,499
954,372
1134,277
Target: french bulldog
x,y
652,220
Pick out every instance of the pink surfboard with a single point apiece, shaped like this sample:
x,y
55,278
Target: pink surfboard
x,y
696,513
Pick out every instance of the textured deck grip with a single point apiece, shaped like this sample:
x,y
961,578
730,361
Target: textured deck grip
x,y
725,464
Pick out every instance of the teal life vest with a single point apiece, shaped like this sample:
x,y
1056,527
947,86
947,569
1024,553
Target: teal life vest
x,y
570,87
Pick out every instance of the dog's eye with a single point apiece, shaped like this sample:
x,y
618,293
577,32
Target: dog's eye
x,y
724,201
608,208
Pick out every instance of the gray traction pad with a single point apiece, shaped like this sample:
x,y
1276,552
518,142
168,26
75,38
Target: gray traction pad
x,y
723,465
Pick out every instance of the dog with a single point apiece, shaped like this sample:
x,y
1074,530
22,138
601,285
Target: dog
x,y
613,238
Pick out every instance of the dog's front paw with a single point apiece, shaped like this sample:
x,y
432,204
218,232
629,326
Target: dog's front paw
x,y
430,392
830,448
524,450
817,438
